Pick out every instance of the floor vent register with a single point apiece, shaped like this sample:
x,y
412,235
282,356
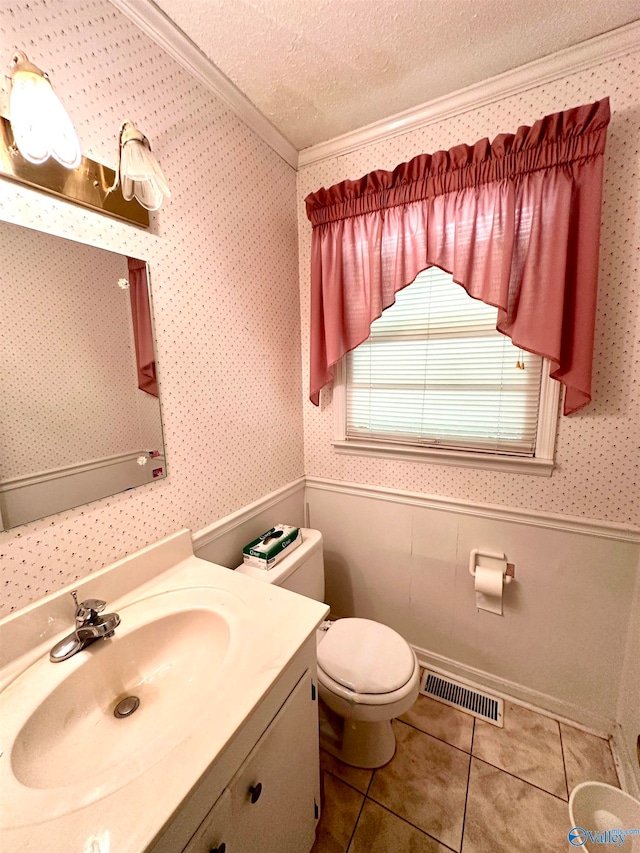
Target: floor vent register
x,y
465,698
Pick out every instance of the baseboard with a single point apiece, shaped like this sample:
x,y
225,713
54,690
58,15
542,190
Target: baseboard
x,y
626,763
542,703
235,519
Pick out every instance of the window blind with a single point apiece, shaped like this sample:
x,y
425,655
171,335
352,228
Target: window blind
x,y
435,372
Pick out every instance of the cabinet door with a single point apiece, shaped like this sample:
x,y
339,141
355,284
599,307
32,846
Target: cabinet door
x,y
214,835
274,793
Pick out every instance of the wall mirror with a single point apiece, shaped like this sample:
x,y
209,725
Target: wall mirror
x,y
80,412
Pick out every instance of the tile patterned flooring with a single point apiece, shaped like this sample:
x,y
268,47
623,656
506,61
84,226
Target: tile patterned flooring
x,y
460,784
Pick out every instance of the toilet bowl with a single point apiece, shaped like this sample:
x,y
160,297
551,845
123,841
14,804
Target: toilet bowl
x,y
367,673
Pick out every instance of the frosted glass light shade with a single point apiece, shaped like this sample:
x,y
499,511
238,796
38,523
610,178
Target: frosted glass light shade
x,y
140,173
40,124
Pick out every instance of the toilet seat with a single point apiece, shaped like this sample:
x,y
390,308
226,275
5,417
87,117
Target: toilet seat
x,y
382,699
365,662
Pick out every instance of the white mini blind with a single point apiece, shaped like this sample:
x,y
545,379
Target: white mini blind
x,y
435,372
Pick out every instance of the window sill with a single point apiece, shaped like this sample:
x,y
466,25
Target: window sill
x,y
507,464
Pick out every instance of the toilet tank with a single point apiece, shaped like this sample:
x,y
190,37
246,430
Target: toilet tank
x,y
302,571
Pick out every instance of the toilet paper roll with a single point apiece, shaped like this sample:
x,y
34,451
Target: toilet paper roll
x,y
488,587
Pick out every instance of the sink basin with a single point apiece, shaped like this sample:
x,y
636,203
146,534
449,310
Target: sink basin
x,y
63,747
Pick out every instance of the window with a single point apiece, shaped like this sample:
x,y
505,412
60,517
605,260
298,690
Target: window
x,y
435,380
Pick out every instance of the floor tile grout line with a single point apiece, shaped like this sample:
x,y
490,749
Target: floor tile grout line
x,y
508,772
435,737
355,825
466,796
348,784
412,825
520,779
564,763
366,793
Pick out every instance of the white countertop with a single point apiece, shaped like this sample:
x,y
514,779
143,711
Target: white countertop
x,y
274,625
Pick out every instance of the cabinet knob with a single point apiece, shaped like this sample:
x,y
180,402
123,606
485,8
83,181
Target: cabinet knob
x,y
255,791
219,849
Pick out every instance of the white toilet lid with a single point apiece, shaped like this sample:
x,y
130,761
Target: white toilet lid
x,y
365,656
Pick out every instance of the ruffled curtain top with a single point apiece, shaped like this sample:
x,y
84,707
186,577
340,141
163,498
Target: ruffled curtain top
x,y
516,222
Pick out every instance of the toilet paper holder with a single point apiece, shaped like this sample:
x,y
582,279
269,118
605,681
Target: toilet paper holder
x,y
489,559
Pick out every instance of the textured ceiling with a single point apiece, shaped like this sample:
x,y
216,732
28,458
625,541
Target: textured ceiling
x,y
320,68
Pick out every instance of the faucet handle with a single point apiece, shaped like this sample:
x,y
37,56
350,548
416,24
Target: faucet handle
x,y
87,610
94,604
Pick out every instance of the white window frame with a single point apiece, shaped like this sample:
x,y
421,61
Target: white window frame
x,y
541,464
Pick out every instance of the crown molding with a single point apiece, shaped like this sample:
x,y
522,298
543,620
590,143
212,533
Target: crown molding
x,y
152,21
611,45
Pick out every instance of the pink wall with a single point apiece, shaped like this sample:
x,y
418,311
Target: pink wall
x,y
223,262
597,474
225,274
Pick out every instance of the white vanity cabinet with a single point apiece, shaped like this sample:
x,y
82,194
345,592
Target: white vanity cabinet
x,y
271,804
214,836
229,714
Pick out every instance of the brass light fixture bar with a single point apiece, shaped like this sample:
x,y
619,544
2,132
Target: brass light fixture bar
x,y
88,185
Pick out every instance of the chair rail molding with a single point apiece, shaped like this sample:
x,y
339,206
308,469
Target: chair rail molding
x,y
224,525
534,518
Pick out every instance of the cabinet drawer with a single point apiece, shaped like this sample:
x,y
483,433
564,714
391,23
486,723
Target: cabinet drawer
x,y
214,833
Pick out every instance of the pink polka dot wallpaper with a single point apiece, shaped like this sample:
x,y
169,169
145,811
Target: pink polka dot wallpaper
x,y
597,473
222,256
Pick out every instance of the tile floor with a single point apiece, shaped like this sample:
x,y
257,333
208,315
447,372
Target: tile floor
x,y
460,784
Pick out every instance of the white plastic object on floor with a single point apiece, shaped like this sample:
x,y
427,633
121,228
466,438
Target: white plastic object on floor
x,y
595,809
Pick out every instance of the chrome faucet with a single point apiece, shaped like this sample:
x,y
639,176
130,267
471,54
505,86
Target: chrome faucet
x,y
90,626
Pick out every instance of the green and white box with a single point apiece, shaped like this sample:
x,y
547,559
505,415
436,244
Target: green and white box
x,y
267,550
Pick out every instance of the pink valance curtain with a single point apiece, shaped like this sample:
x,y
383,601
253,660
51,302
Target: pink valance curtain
x,y
516,222
142,330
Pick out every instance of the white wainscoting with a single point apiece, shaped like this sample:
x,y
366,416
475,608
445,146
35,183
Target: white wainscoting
x,y
23,499
403,559
570,615
629,701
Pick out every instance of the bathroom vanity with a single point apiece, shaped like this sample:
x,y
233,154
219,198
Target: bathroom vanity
x,y
222,752
272,801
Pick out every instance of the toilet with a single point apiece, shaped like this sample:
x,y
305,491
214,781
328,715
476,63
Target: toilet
x,y
367,673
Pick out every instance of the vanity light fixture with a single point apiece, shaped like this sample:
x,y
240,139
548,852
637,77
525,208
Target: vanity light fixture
x,y
40,124
139,173
39,148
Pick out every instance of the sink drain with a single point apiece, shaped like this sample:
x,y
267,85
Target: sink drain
x,y
126,707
